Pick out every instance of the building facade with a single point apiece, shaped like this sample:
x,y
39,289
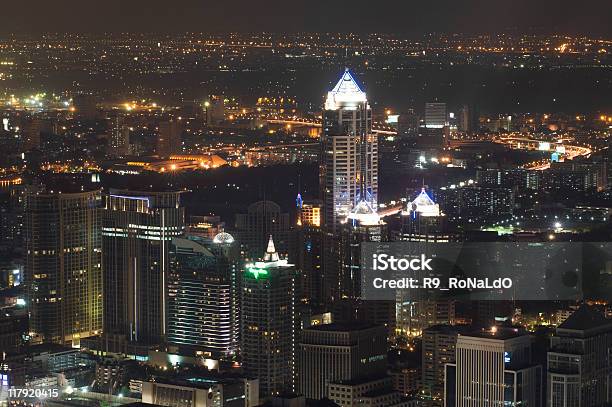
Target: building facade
x,y
339,352
578,372
63,265
137,232
349,162
203,296
268,322
493,368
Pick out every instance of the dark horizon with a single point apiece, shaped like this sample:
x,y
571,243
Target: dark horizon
x,y
359,16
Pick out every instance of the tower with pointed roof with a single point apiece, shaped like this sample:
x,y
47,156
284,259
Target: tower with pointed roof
x,y
268,322
423,221
349,161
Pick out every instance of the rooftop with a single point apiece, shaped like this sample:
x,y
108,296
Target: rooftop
x,y
584,318
346,91
364,214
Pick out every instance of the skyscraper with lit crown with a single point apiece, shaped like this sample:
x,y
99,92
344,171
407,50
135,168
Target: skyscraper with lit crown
x,y
268,322
349,162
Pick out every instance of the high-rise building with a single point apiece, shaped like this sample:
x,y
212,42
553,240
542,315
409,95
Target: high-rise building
x,y
309,254
363,224
493,368
62,269
435,115
120,138
137,232
169,138
268,322
253,229
203,296
436,125
438,349
579,365
423,221
334,353
349,162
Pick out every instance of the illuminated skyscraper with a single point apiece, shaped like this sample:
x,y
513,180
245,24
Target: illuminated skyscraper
x,y
436,124
268,322
349,162
435,115
363,224
137,232
203,296
119,143
423,221
62,269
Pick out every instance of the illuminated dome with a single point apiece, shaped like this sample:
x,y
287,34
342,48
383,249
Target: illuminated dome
x,y
364,214
223,238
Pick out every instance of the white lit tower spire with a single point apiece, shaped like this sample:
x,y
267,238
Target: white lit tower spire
x,y
349,162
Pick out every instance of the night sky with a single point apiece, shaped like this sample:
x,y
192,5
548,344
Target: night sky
x,y
590,17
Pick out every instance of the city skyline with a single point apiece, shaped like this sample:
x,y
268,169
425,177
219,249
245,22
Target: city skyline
x,y
390,204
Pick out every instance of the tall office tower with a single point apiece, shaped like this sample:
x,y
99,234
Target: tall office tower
x,y
438,344
334,353
253,229
120,138
436,125
169,138
349,162
579,365
215,110
137,232
309,254
363,224
62,269
268,322
493,368
423,221
435,115
203,296
85,107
